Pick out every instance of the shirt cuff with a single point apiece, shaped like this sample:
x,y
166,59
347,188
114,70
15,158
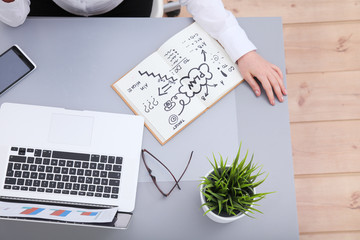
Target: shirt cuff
x,y
235,42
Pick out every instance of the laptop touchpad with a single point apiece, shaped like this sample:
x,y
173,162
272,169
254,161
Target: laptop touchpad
x,y
71,129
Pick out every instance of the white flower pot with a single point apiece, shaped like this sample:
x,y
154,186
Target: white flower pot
x,y
213,216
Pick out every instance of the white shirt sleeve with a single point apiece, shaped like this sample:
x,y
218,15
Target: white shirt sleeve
x,y
14,13
221,24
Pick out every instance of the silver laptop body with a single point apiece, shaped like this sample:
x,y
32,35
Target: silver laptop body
x,y
58,155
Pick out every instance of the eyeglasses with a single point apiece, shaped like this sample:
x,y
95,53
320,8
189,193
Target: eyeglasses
x,y
153,178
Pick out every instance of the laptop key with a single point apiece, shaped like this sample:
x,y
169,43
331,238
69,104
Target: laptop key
x,y
81,193
48,169
41,168
98,194
26,174
57,191
52,184
25,167
54,162
111,159
97,181
81,179
14,149
32,189
95,158
37,153
33,168
22,151
40,190
106,195
28,182
117,168
36,183
73,193
30,160
10,180
34,175
24,188
20,159
119,160
15,188
76,186
115,190
114,175
10,173
46,153
17,166
107,189
113,182
89,194
103,159
42,175
38,160
114,196
17,173
46,161
7,187
49,176
44,184
69,163
20,181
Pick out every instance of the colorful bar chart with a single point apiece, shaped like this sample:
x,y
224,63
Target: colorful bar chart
x,y
88,213
60,213
32,210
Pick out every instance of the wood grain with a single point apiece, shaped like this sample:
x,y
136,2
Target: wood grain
x,y
322,47
324,96
326,147
297,11
328,203
331,236
294,11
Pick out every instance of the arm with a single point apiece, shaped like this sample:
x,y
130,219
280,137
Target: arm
x,y
223,26
14,12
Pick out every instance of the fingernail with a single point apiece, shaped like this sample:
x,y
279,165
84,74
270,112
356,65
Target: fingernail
x,y
281,99
285,91
272,102
257,93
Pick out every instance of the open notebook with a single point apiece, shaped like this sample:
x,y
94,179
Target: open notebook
x,y
181,80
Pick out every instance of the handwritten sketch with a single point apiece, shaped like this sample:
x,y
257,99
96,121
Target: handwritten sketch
x,y
171,87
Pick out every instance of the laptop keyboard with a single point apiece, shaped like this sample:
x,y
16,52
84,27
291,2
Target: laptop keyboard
x,y
47,171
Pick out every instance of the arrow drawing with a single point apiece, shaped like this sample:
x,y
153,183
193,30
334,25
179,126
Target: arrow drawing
x,y
163,90
204,53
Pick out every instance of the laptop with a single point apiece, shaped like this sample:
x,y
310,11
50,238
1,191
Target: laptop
x,y
56,155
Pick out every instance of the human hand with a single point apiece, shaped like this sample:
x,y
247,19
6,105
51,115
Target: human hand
x,y
252,65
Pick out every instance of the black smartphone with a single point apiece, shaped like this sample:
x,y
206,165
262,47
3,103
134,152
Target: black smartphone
x,y
14,66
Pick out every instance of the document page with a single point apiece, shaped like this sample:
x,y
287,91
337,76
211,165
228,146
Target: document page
x,y
58,213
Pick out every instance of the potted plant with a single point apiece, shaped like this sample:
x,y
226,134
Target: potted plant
x,y
228,192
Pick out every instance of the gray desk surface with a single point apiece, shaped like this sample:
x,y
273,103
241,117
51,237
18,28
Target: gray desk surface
x,y
78,59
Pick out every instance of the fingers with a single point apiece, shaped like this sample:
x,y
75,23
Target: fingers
x,y
253,84
279,78
268,88
276,87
